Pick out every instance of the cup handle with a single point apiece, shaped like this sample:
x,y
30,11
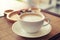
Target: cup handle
x,y
47,20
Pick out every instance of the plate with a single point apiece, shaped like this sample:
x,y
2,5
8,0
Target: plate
x,y
13,16
17,29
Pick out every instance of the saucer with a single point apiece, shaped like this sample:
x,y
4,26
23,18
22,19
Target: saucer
x,y
17,28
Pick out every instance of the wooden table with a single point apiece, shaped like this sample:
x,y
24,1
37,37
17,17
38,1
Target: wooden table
x,y
6,32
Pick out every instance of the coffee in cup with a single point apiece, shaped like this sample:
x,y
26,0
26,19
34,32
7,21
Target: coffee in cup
x,y
31,23
31,17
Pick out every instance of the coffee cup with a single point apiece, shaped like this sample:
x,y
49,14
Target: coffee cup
x,y
31,23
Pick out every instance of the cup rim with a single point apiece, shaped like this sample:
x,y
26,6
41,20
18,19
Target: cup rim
x,y
43,17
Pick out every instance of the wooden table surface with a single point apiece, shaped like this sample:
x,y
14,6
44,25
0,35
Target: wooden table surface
x,y
6,32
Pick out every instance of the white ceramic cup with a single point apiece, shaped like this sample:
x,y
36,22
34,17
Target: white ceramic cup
x,y
34,26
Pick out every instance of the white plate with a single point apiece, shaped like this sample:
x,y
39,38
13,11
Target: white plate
x,y
17,28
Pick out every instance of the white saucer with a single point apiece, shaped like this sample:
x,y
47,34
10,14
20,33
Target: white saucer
x,y
17,28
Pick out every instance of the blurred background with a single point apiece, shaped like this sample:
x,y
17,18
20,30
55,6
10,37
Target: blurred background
x,y
20,4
